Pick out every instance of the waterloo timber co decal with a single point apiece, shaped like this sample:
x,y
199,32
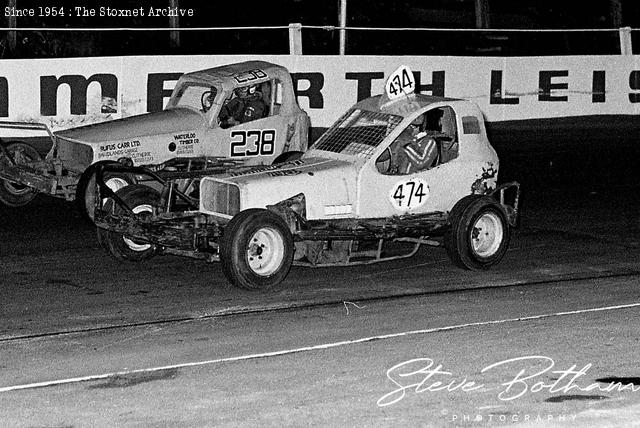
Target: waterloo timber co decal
x,y
409,194
255,142
125,149
183,144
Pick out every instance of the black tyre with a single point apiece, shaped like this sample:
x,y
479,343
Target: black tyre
x,y
287,157
85,191
479,233
15,194
256,250
141,200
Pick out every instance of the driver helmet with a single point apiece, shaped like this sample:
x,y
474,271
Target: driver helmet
x,y
245,91
417,122
242,91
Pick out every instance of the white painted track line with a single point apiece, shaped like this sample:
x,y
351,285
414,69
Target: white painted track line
x,y
309,348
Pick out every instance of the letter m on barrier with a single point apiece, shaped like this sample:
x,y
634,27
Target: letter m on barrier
x,y
78,86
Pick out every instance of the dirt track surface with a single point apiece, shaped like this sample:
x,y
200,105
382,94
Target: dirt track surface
x,y
176,345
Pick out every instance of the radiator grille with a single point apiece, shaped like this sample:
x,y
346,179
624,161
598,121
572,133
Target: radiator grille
x,y
219,198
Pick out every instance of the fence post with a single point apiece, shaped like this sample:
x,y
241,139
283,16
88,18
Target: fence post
x,y
11,35
626,47
343,24
295,39
174,22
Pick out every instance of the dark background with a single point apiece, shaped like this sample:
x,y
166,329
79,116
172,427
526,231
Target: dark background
x,y
499,14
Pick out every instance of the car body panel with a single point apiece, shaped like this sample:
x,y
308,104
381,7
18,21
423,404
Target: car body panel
x,y
186,128
328,184
393,172
339,185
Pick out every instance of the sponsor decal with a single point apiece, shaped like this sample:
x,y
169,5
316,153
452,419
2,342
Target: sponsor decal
x,y
275,167
184,143
121,149
125,149
285,173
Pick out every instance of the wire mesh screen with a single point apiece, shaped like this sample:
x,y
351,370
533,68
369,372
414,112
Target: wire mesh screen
x,y
191,96
358,133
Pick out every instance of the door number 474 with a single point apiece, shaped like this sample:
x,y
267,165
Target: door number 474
x,y
409,194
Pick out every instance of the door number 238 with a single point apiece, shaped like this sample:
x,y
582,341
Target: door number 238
x,y
253,143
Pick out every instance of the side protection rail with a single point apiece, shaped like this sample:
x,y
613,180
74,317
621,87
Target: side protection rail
x,y
33,127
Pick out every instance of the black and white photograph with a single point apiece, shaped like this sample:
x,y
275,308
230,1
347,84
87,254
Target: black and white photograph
x,y
339,213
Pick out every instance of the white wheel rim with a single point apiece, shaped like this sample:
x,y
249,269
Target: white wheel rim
x,y
265,251
487,234
116,183
113,183
131,244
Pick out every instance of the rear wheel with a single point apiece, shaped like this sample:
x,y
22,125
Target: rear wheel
x,y
15,194
256,250
479,233
141,199
86,189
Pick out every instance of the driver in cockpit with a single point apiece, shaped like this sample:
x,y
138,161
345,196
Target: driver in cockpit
x,y
246,106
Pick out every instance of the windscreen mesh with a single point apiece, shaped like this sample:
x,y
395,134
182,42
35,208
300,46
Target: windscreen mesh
x,y
358,133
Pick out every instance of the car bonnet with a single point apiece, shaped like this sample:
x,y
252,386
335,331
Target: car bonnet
x,y
158,123
324,183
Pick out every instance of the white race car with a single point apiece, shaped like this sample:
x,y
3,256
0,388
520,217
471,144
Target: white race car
x,y
399,168
198,122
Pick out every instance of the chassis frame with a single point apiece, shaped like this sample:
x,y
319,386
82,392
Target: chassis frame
x,y
177,227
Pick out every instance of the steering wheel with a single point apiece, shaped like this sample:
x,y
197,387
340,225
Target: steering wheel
x,y
206,100
383,163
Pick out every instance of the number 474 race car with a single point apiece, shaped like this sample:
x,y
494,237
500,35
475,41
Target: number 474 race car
x,y
396,171
235,114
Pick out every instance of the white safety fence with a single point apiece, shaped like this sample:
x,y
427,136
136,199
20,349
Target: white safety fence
x,y
70,92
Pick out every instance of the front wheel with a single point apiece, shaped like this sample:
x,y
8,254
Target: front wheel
x,y
16,194
479,233
141,199
256,250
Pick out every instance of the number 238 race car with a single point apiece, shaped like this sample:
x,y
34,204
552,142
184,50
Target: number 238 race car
x,y
396,171
234,114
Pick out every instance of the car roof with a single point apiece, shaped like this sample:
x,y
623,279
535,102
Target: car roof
x,y
223,75
402,107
